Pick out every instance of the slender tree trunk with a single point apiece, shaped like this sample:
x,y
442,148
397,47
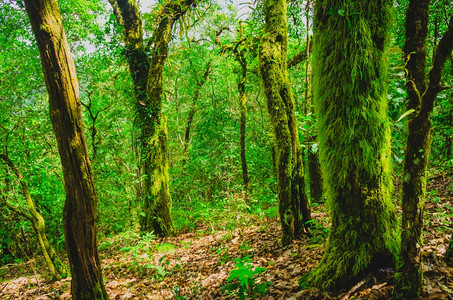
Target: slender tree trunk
x,y
192,111
421,97
242,80
314,168
449,138
293,202
79,215
242,125
349,85
314,172
53,262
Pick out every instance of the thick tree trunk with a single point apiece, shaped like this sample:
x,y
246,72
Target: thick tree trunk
x,y
418,145
53,262
349,83
148,80
147,75
293,202
79,215
157,199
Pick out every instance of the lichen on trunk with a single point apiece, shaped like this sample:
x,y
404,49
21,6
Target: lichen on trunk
x,y
349,84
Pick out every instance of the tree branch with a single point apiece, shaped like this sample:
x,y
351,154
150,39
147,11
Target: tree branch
x,y
299,57
443,51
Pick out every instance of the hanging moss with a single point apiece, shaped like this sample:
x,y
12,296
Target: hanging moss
x,y
350,97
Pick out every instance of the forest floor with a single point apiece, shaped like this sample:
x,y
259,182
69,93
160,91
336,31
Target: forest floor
x,y
197,265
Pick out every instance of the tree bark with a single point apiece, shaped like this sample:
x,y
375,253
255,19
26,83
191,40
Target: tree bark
x,y
350,96
293,202
421,97
79,215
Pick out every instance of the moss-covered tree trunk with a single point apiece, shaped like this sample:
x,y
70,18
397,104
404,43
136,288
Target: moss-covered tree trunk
x,y
53,262
293,203
148,80
350,95
79,215
421,98
157,199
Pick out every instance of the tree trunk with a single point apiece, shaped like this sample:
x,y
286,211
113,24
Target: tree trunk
x,y
349,84
53,262
148,120
79,215
147,75
192,111
293,202
240,57
314,172
449,138
157,199
418,145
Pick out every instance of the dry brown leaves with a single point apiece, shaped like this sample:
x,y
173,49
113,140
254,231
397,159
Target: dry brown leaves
x,y
196,266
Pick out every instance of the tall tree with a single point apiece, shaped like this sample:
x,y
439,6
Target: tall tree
x,y
350,95
239,52
421,95
79,216
293,203
147,74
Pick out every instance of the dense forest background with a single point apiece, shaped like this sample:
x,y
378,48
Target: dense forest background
x,y
220,145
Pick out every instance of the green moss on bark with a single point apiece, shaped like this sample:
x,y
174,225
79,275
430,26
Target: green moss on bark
x,y
293,202
148,80
351,99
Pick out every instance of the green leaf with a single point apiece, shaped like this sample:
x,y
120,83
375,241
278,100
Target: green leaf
x,y
405,114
